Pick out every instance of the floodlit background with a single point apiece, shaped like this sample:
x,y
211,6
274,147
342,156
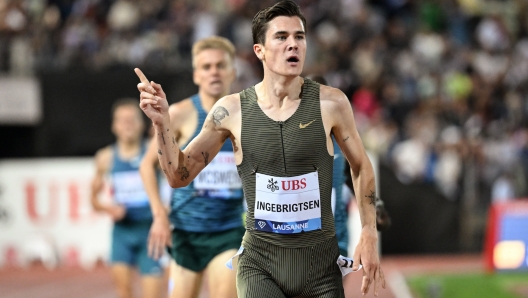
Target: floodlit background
x,y
440,95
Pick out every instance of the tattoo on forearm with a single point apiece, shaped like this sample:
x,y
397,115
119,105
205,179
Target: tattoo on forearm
x,y
345,139
184,173
159,152
173,141
170,162
372,197
163,138
206,157
219,114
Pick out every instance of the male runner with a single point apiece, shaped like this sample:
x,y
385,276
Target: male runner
x,y
131,212
207,213
281,130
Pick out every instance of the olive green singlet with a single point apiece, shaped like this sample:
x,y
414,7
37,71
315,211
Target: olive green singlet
x,y
289,148
287,265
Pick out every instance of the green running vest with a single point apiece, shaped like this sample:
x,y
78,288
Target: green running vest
x,y
286,149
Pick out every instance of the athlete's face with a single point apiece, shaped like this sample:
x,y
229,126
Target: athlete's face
x,y
127,124
284,50
213,72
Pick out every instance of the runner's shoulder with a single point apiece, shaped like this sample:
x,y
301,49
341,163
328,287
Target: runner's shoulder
x,y
230,102
103,157
333,98
181,109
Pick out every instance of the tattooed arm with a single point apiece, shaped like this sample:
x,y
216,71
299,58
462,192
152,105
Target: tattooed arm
x,y
203,148
339,119
160,234
181,167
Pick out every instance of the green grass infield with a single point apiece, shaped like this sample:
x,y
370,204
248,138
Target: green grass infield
x,y
481,285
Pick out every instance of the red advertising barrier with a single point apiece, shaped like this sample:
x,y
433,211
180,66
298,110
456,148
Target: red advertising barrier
x,y
506,243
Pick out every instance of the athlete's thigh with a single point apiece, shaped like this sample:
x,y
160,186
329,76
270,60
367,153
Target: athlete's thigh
x,y
122,274
185,283
221,280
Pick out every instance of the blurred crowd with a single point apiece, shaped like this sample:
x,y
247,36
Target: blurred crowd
x,y
439,88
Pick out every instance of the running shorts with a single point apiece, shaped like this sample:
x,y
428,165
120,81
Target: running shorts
x,y
267,270
194,250
129,246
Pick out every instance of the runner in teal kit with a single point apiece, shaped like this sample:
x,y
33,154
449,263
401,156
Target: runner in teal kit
x,y
339,205
207,213
130,211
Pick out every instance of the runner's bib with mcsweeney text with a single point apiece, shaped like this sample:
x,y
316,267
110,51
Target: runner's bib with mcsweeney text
x,y
287,205
219,179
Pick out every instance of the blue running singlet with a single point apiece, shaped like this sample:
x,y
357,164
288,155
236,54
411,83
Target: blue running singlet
x,y
212,202
338,204
127,186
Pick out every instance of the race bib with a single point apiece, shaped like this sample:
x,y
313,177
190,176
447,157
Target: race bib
x,y
345,265
287,205
219,179
128,189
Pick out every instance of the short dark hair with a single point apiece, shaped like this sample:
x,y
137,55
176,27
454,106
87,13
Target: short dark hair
x,y
286,8
127,101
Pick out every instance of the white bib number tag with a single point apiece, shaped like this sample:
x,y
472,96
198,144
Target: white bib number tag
x,y
219,179
220,173
287,205
128,189
345,265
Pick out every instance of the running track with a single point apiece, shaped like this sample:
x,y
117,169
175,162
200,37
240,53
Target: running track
x,y
97,283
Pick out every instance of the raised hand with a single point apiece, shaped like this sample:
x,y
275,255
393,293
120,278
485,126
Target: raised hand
x,y
153,100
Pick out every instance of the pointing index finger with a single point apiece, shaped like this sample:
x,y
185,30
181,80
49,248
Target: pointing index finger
x,y
141,76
